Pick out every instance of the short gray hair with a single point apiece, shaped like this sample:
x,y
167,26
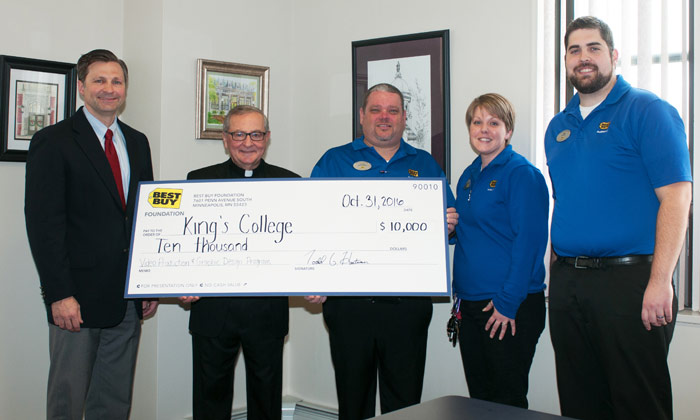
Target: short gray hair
x,y
382,87
245,109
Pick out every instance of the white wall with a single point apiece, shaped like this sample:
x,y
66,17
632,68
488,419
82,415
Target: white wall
x,y
307,45
46,30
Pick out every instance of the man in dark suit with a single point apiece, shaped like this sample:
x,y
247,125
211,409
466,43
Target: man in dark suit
x,y
81,181
220,326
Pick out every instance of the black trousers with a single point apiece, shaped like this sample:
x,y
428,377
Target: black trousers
x,y
214,360
384,336
498,370
608,365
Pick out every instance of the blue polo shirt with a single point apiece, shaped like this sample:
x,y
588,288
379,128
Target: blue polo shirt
x,y
358,160
605,168
502,232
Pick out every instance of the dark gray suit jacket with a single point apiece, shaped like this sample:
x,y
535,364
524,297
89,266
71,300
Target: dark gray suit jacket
x,y
79,234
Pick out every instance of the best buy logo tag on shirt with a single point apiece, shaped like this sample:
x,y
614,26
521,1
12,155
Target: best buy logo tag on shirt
x,y
413,173
603,127
165,198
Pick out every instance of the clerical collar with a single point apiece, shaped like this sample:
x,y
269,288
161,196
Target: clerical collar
x,y
238,172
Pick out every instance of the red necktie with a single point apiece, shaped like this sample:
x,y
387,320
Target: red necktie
x,y
113,159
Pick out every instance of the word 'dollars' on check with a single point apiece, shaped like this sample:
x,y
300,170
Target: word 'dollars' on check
x,y
290,237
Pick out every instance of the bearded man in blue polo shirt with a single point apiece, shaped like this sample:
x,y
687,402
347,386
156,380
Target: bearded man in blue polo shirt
x,y
621,177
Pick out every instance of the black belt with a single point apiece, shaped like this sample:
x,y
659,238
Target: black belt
x,y
591,262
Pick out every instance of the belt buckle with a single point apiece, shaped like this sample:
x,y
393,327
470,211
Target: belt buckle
x,y
588,262
579,266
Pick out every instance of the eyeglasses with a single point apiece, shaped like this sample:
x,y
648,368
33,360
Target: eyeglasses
x,y
241,135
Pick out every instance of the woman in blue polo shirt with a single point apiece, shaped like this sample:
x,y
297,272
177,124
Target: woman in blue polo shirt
x,y
503,207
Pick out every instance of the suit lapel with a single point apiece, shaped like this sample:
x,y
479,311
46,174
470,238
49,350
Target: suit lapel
x,y
87,140
133,163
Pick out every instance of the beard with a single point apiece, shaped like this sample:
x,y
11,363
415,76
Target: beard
x,y
587,86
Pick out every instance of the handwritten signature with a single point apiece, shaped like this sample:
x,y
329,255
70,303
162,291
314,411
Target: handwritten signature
x,y
333,258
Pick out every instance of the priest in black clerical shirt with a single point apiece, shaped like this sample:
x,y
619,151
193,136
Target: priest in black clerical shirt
x,y
221,325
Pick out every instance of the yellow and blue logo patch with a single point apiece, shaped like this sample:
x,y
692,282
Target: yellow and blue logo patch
x,y
165,198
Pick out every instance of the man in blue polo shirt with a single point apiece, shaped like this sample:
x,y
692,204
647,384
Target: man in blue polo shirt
x,y
382,335
621,177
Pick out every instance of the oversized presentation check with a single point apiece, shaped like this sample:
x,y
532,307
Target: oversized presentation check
x,y
260,237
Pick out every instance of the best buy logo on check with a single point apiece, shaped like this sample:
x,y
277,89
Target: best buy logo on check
x,y
165,198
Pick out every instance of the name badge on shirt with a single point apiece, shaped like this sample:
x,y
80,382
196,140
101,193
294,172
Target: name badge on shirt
x,y
563,135
362,165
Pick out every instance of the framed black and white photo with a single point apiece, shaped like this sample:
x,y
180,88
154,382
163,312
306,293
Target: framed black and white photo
x,y
33,94
418,65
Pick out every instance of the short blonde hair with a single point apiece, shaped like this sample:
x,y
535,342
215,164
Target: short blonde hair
x,y
496,105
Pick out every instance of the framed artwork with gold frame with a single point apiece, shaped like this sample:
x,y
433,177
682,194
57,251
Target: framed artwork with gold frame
x,y
222,86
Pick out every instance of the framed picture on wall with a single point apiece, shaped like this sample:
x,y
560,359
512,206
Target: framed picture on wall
x,y
222,86
33,94
418,65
